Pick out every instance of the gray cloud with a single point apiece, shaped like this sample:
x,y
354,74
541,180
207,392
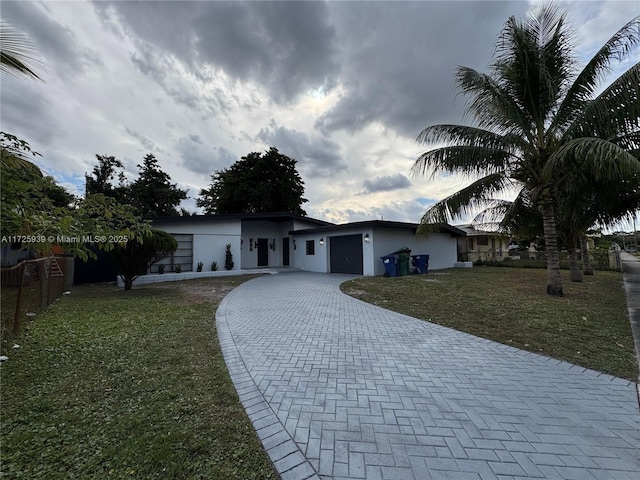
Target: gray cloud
x,y
317,156
387,183
400,58
60,49
201,158
288,47
28,112
144,141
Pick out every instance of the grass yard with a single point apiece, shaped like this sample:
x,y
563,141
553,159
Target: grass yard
x,y
109,384
589,326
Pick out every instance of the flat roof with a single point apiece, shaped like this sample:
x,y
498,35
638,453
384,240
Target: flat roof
x,y
277,217
441,228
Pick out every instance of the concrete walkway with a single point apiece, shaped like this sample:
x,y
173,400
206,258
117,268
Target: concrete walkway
x,y
337,388
631,277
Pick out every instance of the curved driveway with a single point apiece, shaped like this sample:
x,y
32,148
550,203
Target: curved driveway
x,y
337,388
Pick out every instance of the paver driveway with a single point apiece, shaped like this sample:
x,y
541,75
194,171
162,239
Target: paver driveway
x,y
337,388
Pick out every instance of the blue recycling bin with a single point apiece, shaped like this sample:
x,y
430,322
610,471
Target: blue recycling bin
x,y
421,263
390,265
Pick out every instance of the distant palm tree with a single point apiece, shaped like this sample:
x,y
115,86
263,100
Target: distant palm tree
x,y
536,116
18,54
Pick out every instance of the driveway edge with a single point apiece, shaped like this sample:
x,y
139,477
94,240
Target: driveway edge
x,y
287,458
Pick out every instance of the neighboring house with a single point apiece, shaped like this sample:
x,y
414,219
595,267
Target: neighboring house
x,y
481,245
289,240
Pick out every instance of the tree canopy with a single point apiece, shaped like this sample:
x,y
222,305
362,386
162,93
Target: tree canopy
x,y
151,195
256,183
540,120
134,258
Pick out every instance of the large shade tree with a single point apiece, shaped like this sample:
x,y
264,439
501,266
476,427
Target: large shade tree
x,y
257,183
536,115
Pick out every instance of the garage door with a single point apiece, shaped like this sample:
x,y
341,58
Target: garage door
x,y
346,254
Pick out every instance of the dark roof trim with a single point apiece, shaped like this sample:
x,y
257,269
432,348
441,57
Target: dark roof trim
x,y
443,228
273,217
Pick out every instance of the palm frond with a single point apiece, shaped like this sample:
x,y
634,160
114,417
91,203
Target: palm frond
x,y
469,136
18,54
606,162
491,105
535,64
618,47
474,196
615,112
461,159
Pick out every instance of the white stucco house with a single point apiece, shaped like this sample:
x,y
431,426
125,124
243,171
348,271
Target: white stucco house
x,y
264,240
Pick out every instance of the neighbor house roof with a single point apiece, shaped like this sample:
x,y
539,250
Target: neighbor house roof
x,y
470,231
278,217
442,228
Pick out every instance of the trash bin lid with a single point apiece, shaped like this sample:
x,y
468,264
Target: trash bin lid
x,y
402,250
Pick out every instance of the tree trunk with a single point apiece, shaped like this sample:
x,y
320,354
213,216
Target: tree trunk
x,y
128,283
587,268
554,281
575,272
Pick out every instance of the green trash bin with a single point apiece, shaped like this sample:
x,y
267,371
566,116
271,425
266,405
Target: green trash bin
x,y
403,260
403,264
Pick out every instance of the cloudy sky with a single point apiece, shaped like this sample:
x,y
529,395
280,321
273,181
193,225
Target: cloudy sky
x,y
342,87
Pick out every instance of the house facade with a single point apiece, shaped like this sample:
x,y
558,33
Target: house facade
x,y
481,245
289,240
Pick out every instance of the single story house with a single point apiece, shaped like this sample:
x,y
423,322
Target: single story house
x,y
260,240
481,245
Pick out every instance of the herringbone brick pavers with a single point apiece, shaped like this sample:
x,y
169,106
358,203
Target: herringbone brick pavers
x,y
337,388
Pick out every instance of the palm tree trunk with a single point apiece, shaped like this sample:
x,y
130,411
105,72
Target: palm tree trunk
x,y
587,268
575,274
554,281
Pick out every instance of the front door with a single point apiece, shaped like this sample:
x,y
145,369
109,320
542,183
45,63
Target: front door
x,y
285,252
263,252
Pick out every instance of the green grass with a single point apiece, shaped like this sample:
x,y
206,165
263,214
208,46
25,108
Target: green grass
x,y
111,384
589,326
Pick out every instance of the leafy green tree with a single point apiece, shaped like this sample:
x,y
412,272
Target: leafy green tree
x,y
134,258
152,193
103,176
255,184
537,113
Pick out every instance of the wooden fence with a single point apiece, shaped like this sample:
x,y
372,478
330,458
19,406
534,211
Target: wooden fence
x,y
29,287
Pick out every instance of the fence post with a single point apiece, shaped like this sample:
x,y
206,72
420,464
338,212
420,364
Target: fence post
x,y
17,316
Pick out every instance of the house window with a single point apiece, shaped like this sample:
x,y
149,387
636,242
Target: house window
x,y
483,241
311,247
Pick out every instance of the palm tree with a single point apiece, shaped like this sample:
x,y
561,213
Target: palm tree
x,y
18,55
535,117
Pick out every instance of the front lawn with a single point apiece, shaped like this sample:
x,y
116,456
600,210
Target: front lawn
x,y
589,326
114,384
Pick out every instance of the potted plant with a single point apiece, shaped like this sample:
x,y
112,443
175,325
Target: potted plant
x,y
177,269
214,266
200,265
161,268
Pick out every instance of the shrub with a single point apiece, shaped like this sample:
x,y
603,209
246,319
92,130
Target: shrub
x,y
200,265
228,258
214,266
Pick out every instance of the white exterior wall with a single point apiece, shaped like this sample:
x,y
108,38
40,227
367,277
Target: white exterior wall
x,y
209,241
441,247
263,229
310,263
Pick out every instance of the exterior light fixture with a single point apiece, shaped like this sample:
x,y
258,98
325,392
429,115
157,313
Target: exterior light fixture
x,y
366,238
321,241
294,243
